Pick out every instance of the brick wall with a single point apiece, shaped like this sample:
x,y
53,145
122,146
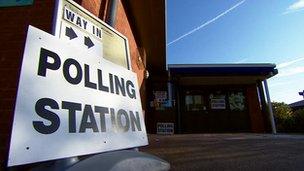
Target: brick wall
x,y
255,112
92,5
14,22
123,26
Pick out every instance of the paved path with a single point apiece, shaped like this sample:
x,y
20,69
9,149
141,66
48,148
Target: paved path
x,y
229,151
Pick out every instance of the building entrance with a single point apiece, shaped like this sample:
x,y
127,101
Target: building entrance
x,y
213,110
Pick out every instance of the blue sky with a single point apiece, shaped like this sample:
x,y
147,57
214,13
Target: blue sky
x,y
241,31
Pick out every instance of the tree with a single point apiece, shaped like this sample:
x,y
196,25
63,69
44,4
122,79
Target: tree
x,y
285,120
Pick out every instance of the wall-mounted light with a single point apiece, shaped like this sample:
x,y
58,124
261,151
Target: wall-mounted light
x,y
147,74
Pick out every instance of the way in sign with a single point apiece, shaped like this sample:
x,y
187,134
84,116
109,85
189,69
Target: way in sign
x,y
82,23
69,32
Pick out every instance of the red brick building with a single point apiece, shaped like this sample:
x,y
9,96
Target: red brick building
x,y
212,98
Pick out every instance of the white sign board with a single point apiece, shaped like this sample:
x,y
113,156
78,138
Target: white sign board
x,y
69,104
218,103
84,30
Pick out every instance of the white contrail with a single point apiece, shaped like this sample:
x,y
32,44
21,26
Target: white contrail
x,y
285,64
206,23
241,61
292,11
291,71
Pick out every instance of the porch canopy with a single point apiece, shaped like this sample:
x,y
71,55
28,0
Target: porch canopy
x,y
252,78
221,73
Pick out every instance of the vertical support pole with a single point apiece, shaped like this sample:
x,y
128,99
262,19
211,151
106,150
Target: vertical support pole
x,y
55,17
271,118
111,13
169,85
262,99
178,105
262,96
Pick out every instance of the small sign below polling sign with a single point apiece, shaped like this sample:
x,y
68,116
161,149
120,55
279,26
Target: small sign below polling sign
x,y
68,104
165,128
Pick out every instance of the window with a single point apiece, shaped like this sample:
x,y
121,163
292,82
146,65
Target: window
x,y
237,101
194,102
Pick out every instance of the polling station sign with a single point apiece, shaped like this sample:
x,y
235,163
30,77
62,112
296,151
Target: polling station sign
x,y
70,104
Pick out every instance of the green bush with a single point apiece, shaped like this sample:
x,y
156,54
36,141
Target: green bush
x,y
284,117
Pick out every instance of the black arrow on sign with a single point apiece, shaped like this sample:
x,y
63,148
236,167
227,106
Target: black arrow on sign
x,y
88,42
70,33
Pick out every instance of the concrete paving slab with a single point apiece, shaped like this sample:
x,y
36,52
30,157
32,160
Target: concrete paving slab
x,y
229,151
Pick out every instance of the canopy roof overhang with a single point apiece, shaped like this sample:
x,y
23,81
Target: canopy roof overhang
x,y
220,74
297,104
